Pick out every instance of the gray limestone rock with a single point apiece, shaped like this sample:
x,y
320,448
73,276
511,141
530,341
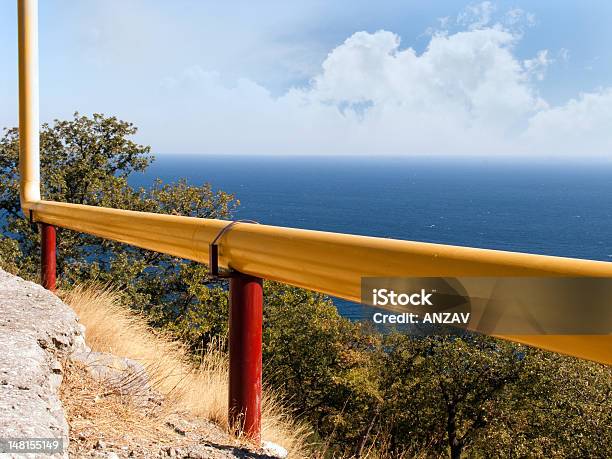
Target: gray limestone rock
x,y
37,331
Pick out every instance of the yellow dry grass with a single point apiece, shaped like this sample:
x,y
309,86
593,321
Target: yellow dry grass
x,y
200,390
95,410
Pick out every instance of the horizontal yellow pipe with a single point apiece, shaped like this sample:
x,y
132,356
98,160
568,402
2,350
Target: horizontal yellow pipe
x,y
330,263
591,347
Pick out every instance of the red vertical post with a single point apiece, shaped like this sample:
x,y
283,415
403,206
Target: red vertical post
x,y
245,335
47,256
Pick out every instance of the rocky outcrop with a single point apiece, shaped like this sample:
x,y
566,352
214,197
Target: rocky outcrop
x,y
37,331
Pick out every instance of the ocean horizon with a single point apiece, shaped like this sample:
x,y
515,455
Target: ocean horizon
x,y
543,207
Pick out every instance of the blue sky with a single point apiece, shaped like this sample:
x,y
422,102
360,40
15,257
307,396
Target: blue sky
x,y
320,77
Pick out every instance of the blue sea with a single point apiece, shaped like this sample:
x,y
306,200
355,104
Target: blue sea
x,y
543,207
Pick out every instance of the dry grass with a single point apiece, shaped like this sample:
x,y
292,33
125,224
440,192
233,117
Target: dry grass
x,y
95,411
200,390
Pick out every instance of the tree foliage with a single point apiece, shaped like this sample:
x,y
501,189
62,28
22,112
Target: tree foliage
x,y
88,160
361,390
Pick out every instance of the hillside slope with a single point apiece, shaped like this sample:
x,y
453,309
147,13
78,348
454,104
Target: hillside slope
x,y
53,385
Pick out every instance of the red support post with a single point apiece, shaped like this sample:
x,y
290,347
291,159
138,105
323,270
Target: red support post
x,y
47,256
245,335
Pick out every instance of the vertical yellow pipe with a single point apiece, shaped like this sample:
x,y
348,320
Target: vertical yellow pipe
x,y
29,148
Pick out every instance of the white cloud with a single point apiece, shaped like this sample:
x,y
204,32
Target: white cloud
x,y
536,67
564,55
519,17
471,76
476,15
581,127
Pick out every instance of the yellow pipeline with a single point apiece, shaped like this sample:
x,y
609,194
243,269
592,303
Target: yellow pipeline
x,y
330,263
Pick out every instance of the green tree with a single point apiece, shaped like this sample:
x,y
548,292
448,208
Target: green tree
x,y
478,396
559,406
88,160
443,390
322,362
